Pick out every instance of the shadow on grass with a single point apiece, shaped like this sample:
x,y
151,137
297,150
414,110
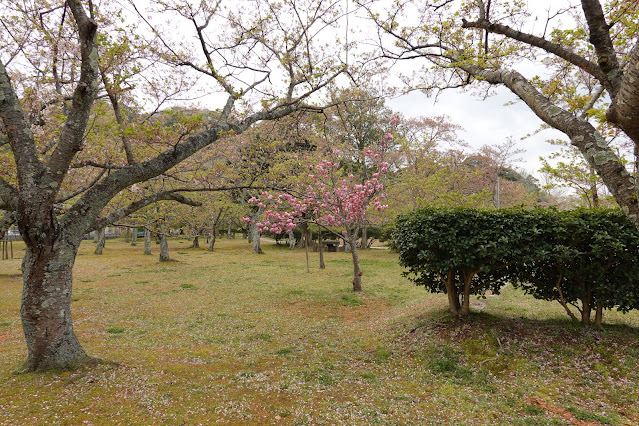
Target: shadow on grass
x,y
484,321
11,276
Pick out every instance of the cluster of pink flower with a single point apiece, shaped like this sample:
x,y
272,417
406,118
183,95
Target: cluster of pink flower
x,y
330,200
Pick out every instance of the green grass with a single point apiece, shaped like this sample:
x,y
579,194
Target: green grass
x,y
238,338
188,286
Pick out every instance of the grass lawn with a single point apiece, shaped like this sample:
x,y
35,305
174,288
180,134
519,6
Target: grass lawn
x,y
238,338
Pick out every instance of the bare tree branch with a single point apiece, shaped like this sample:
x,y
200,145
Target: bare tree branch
x,y
83,188
72,134
140,204
556,49
19,134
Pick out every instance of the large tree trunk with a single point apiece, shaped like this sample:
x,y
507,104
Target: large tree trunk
x,y
254,234
147,241
164,248
229,231
134,237
99,240
255,239
196,242
127,235
46,307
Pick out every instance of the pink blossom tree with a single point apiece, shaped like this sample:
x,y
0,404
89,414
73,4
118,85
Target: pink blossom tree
x,y
331,199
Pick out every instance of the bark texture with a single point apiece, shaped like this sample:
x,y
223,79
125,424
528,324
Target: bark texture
x,y
164,249
147,241
451,291
100,240
46,306
351,240
291,240
212,239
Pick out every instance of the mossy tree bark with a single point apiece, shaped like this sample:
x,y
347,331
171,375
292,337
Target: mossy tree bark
x,y
147,241
46,297
99,240
164,248
212,239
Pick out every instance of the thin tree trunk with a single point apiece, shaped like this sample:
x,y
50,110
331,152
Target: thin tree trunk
x,y
46,307
127,235
164,248
465,307
100,241
453,297
134,237
147,241
561,299
212,239
357,272
303,239
291,240
364,244
585,309
320,241
599,316
229,234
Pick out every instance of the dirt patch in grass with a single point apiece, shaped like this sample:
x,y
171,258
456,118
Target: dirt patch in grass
x,y
364,311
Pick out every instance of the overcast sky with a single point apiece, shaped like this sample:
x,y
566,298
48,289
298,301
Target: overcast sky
x,y
486,122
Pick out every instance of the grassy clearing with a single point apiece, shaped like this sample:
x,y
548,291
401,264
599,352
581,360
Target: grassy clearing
x,y
239,338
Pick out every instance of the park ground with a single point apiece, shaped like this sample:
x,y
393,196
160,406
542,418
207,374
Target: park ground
x,y
236,338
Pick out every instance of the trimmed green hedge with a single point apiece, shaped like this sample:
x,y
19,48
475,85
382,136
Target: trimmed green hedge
x,y
581,258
